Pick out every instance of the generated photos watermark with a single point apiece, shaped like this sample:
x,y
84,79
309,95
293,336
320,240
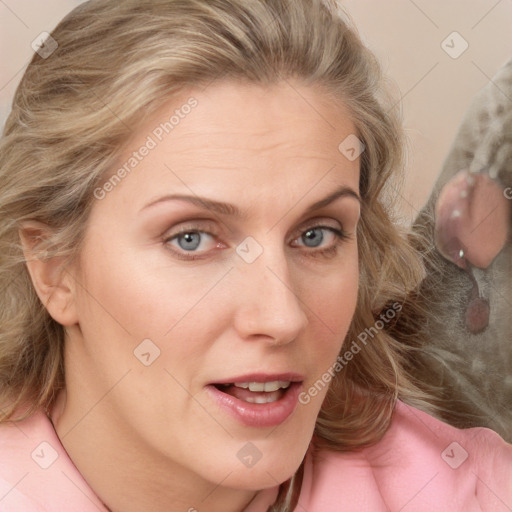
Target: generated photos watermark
x,y
152,140
354,349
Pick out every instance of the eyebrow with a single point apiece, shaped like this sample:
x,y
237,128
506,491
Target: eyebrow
x,y
221,208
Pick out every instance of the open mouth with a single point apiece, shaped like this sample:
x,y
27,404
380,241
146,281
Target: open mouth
x,y
258,403
256,392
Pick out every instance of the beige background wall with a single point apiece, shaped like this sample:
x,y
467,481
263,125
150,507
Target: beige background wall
x,y
407,37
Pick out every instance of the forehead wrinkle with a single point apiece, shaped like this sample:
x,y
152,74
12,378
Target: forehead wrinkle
x,y
276,149
275,135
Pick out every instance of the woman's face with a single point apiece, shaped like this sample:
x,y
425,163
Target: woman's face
x,y
217,282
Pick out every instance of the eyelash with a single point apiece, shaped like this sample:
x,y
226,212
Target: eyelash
x,y
327,252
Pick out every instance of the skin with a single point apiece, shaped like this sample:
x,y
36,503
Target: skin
x,y
151,437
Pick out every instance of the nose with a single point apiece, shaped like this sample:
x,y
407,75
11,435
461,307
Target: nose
x,y
268,304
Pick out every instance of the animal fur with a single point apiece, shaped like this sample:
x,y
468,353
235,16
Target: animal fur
x,y
470,373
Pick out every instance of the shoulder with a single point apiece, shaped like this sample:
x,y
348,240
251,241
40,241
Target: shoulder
x,y
36,473
420,465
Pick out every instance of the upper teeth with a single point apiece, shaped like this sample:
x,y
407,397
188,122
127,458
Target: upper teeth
x,y
263,386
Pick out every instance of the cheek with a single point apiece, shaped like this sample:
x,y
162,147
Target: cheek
x,y
129,291
332,303
128,297
332,299
337,300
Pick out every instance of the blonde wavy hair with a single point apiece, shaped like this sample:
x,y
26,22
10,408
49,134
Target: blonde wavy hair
x,y
116,63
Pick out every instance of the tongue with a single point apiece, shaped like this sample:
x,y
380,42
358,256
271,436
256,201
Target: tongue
x,y
244,394
472,218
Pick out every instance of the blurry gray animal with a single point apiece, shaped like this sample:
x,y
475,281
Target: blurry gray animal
x,y
466,242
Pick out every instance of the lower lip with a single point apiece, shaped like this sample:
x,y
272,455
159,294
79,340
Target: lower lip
x,y
258,415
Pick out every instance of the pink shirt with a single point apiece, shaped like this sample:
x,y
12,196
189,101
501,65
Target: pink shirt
x,y
421,465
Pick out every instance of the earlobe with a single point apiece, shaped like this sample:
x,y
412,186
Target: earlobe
x,y
53,284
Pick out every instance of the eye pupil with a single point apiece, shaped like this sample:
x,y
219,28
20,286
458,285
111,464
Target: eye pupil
x,y
189,241
313,237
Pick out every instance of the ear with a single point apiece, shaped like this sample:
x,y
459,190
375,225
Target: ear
x,y
54,286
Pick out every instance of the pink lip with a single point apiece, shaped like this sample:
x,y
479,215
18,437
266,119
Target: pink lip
x,y
259,415
262,377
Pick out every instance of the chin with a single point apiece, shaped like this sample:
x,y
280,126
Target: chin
x,y
276,465
260,478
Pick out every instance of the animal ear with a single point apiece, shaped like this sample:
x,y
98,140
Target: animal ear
x,y
53,284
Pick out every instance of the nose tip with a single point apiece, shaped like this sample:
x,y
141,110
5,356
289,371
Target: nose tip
x,y
271,309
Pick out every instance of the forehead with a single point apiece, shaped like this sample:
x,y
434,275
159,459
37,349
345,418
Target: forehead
x,y
240,139
261,117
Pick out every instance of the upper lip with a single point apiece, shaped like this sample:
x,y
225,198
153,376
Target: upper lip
x,y
262,377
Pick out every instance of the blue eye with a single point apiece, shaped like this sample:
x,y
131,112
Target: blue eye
x,y
192,241
320,236
313,237
189,241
